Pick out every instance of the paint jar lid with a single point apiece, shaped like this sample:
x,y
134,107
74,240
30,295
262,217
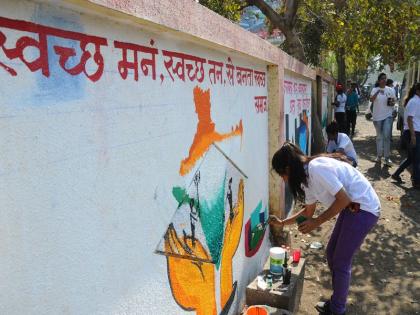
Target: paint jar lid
x,y
277,252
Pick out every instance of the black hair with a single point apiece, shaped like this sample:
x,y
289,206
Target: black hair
x,y
381,75
332,128
389,82
290,161
412,92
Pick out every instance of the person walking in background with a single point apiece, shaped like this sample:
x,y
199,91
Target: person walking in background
x,y
383,99
340,108
390,83
397,91
345,192
411,136
352,105
340,143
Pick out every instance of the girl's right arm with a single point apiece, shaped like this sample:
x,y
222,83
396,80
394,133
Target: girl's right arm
x,y
308,212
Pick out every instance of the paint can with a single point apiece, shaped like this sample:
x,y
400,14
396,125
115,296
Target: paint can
x,y
256,310
276,260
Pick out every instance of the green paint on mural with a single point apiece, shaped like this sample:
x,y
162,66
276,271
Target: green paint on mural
x,y
212,217
181,196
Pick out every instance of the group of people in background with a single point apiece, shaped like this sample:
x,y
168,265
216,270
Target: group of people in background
x,y
346,108
334,180
383,99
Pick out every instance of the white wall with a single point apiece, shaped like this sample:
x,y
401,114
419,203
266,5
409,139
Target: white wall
x,y
87,169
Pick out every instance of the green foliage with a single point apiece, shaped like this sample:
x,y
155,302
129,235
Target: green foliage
x,y
230,9
387,31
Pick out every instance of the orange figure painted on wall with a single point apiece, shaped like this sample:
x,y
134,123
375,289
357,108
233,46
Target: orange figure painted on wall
x,y
206,132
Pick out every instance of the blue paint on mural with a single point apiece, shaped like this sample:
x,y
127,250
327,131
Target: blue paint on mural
x,y
302,132
60,86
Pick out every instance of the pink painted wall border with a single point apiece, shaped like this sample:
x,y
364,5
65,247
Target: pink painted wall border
x,y
186,17
293,65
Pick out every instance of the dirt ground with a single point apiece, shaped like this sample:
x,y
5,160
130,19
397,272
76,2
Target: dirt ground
x,y
386,270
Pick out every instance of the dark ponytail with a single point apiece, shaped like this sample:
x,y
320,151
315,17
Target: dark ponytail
x,y
290,161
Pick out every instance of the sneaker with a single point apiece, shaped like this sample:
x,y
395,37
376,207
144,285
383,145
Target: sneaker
x,y
378,159
324,308
388,162
397,178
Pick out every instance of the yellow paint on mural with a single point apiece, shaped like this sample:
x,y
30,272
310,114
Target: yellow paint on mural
x,y
233,233
192,282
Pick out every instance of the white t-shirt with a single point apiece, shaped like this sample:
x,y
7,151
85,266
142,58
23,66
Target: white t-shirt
x,y
343,142
413,109
381,110
327,176
342,99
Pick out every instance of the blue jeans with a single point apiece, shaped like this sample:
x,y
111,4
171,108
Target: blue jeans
x,y
383,137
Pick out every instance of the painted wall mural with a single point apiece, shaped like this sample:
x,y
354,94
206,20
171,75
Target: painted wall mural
x,y
136,150
205,231
297,102
206,133
193,261
255,229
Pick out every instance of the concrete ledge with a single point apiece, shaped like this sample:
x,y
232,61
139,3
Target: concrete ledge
x,y
186,17
288,299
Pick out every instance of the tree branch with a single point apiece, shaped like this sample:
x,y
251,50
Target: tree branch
x,y
275,18
244,7
291,11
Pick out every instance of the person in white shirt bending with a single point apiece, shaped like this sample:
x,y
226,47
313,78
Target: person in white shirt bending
x,y
340,143
340,108
345,192
383,100
411,136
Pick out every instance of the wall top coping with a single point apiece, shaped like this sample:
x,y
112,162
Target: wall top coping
x,y
189,20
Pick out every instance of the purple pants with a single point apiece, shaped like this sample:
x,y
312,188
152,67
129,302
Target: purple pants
x,y
349,232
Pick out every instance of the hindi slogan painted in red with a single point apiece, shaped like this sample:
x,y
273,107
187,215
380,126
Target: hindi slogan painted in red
x,y
136,59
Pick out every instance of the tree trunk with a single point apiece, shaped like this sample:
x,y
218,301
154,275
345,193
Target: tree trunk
x,y
293,44
341,64
285,23
318,145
